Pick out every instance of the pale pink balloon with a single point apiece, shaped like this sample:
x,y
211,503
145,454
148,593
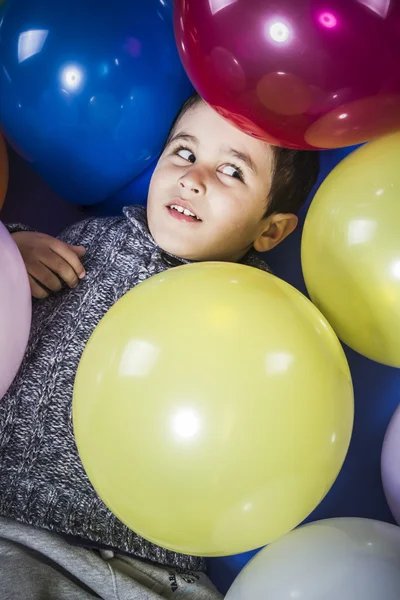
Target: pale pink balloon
x,y
15,309
390,465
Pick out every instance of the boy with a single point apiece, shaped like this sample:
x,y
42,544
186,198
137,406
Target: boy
x,y
216,194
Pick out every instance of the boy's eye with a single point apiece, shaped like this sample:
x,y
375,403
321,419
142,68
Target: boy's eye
x,y
186,154
233,172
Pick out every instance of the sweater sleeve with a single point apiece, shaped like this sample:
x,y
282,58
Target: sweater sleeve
x,y
16,227
74,234
84,233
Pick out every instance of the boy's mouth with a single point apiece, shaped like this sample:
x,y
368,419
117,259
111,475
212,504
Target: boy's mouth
x,y
183,213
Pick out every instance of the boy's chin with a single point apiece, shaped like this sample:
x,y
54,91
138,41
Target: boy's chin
x,y
180,246
179,250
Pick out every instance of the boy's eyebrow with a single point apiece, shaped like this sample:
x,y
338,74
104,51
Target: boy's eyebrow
x,y
244,157
181,135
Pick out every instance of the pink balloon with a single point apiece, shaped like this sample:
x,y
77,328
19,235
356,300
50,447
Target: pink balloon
x,y
304,74
390,465
15,309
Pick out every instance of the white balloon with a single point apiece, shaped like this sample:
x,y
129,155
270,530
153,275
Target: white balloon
x,y
335,559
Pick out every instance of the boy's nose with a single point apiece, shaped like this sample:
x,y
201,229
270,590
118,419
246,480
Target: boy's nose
x,y
193,187
192,182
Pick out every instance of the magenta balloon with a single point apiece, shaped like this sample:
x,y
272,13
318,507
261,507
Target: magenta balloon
x,y
15,309
390,465
303,74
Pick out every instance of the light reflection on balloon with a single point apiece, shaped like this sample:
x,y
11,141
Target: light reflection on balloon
x,y
279,32
380,7
72,77
278,362
186,423
328,20
352,123
217,5
360,231
138,359
31,43
395,269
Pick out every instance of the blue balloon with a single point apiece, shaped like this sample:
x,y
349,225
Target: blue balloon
x,y
134,193
88,89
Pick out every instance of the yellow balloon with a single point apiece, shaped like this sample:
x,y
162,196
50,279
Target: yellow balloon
x,y
213,408
351,250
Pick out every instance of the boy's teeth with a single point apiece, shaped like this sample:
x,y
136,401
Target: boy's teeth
x,y
185,211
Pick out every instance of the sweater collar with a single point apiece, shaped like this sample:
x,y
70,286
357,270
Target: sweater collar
x,y
137,218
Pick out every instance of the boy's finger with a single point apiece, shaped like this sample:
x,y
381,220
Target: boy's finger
x,y
79,250
44,276
62,267
36,290
66,252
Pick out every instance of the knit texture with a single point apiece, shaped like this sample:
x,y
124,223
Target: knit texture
x,y
42,481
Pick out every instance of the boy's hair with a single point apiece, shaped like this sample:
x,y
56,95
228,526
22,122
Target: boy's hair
x,y
294,172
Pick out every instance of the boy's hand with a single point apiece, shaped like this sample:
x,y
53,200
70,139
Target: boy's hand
x,y
47,259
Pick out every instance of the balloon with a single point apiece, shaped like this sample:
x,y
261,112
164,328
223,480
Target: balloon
x,y
88,90
15,309
391,465
3,171
207,400
328,161
351,250
298,73
134,193
337,558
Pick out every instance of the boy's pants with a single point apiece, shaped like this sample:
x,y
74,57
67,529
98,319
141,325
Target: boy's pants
x,y
40,565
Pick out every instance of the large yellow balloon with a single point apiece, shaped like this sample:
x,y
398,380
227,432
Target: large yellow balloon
x,y
213,408
351,250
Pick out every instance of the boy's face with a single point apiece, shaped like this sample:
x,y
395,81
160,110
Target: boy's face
x,y
220,175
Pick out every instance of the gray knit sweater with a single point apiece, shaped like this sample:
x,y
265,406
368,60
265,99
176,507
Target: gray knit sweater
x,y
42,481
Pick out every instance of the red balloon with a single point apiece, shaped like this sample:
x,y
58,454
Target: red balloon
x,y
306,74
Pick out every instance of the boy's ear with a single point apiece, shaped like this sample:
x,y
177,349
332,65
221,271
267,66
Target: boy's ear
x,y
275,229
